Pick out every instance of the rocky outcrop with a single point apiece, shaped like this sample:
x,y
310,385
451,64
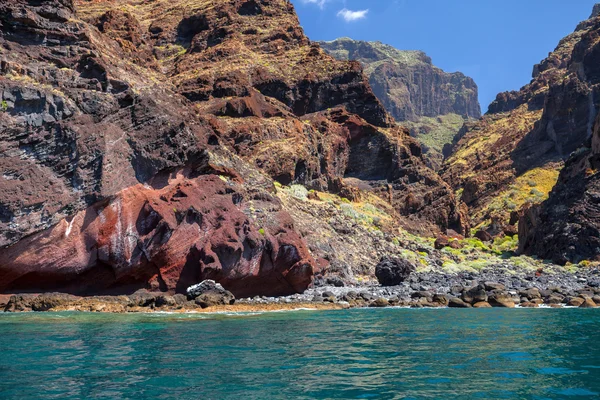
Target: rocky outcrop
x,y
208,293
511,159
167,239
392,272
431,103
566,227
139,146
407,83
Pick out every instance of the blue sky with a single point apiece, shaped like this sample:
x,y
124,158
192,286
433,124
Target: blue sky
x,y
497,43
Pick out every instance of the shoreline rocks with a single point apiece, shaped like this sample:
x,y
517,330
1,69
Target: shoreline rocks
x,y
420,290
208,293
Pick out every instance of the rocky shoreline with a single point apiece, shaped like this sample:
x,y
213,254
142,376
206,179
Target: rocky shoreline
x,y
434,290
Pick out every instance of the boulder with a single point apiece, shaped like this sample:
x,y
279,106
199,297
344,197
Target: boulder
x,y
211,299
490,286
208,293
205,286
475,294
555,299
440,242
165,300
484,236
588,303
441,299
531,293
501,299
576,302
380,303
393,271
142,298
455,302
482,304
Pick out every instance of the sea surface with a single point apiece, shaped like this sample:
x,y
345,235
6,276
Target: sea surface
x,y
353,354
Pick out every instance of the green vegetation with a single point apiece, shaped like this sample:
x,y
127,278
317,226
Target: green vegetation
x,y
262,231
436,132
532,187
3,106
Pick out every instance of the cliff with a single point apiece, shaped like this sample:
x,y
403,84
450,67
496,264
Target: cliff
x,y
566,227
432,103
141,143
511,159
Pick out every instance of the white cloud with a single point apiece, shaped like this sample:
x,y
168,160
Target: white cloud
x,y
349,15
320,3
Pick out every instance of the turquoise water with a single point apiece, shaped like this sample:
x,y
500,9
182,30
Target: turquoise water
x,y
355,354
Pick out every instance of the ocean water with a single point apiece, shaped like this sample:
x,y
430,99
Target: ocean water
x,y
354,354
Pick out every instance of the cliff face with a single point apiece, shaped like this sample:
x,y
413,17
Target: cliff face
x,y
511,159
407,82
432,103
566,227
139,142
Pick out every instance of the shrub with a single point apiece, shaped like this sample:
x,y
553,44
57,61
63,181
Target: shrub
x,y
299,192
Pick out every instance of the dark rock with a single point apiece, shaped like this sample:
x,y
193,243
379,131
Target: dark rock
x,y
484,236
555,298
164,300
440,242
213,298
142,298
490,286
441,299
380,302
208,293
335,281
501,299
474,294
531,293
455,302
205,286
393,271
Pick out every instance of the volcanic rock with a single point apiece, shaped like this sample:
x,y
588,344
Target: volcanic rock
x,y
393,271
511,159
433,104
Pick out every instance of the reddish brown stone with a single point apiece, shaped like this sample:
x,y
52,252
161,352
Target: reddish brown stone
x,y
166,239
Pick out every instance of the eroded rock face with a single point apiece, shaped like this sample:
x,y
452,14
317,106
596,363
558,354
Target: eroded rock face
x,y
407,83
431,103
166,239
511,159
566,227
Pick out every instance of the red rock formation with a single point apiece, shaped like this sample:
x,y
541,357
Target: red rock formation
x,y
167,239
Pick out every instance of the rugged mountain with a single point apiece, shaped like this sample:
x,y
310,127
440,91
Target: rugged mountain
x,y
139,143
566,227
432,103
512,158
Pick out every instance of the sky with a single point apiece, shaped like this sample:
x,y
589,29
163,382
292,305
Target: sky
x,y
497,43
